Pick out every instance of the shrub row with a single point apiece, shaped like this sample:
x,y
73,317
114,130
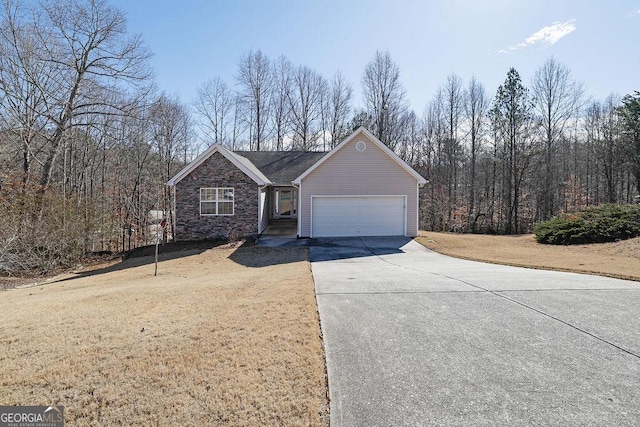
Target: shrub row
x,y
597,224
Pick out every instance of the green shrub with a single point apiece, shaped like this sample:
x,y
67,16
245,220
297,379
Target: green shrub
x,y
597,224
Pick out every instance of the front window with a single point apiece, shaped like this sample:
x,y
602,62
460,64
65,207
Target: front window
x,y
216,201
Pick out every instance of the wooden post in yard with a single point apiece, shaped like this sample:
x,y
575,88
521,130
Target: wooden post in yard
x,y
157,242
163,224
155,273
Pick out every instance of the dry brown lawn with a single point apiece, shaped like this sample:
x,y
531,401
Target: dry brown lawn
x,y
225,336
619,259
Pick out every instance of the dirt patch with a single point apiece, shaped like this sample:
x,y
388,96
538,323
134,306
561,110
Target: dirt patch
x,y
619,259
222,336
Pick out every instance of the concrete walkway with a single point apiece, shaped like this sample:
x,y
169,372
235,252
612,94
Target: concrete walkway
x,y
415,338
281,233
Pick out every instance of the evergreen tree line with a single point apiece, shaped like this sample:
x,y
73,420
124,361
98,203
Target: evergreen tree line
x,y
87,142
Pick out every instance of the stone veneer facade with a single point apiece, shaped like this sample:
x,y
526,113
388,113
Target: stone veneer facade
x,y
216,171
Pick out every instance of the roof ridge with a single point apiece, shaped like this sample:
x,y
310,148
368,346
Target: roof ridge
x,y
278,151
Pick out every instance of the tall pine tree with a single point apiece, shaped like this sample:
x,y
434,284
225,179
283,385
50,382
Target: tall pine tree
x,y
630,112
511,117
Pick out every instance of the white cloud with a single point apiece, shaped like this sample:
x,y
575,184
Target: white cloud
x,y
546,36
633,13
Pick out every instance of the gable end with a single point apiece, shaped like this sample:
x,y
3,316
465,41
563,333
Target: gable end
x,y
362,131
238,161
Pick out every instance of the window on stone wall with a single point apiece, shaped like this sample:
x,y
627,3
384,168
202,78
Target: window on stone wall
x,y
216,201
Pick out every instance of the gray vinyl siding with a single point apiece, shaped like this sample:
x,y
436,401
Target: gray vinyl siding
x,y
349,172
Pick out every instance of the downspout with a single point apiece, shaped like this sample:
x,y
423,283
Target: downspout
x,y
293,184
173,202
261,214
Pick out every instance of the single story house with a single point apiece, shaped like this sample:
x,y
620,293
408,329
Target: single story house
x,y
359,188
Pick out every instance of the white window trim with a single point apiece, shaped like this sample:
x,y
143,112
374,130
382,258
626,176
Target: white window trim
x,y
216,201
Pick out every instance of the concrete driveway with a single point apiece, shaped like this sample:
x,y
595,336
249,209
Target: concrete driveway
x,y
416,338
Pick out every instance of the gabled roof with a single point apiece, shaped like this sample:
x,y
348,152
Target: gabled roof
x,y
282,167
240,162
376,141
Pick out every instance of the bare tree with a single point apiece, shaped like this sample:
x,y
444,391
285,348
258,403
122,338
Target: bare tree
x,y
339,108
24,83
66,66
237,124
409,140
452,107
282,86
558,98
605,158
214,105
255,79
476,106
170,127
384,96
436,207
305,105
83,57
133,193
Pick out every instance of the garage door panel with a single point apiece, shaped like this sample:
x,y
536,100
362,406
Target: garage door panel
x,y
358,216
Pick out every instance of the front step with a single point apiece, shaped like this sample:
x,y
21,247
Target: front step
x,y
283,222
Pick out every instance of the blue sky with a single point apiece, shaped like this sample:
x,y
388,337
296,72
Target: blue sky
x,y
196,40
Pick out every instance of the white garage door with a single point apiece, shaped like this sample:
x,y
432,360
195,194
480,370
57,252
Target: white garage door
x,y
357,216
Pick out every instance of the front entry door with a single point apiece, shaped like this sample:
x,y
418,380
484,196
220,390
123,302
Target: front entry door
x,y
285,203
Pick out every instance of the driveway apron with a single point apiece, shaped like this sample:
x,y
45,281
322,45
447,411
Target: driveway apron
x,y
415,338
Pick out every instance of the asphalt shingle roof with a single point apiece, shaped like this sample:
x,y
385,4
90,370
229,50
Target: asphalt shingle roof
x,y
282,167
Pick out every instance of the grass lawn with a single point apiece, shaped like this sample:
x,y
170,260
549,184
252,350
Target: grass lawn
x,y
224,336
619,259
